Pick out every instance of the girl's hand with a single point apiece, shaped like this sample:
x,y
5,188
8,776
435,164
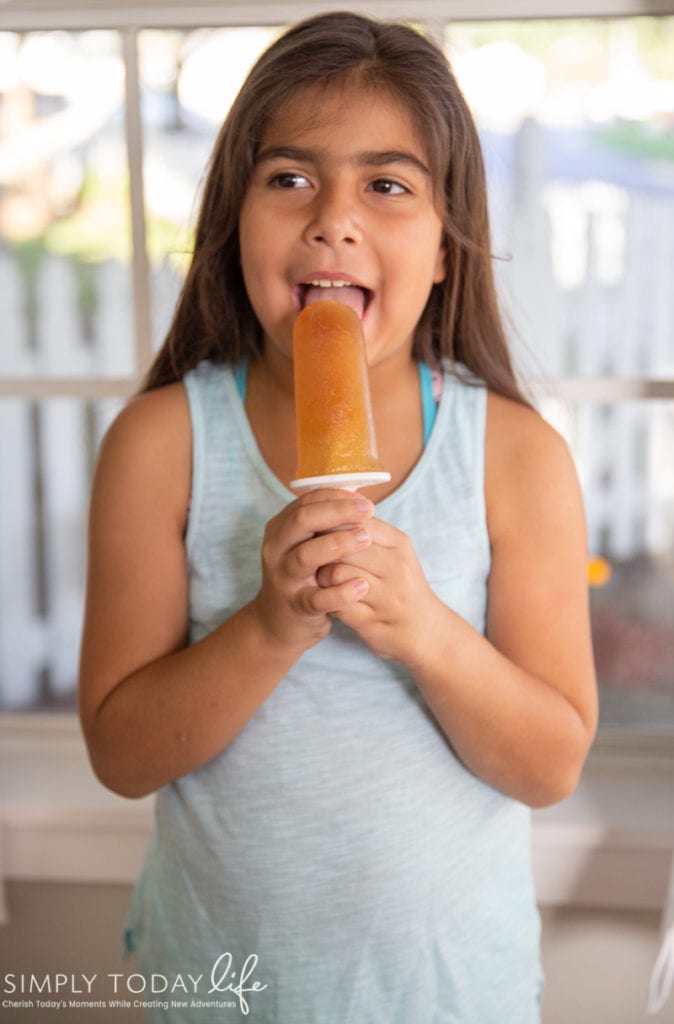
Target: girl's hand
x,y
316,530
394,618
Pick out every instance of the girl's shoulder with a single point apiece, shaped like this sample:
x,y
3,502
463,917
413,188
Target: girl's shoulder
x,y
528,466
152,423
146,453
519,432
151,417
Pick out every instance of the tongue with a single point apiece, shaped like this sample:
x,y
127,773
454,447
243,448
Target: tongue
x,y
349,295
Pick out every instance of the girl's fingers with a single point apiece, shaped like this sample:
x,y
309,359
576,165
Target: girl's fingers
x,y
305,559
336,574
323,511
319,600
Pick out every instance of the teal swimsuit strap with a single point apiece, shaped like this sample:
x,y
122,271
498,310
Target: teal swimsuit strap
x,y
241,378
428,403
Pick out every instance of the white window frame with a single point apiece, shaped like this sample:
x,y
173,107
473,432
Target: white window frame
x,y
610,844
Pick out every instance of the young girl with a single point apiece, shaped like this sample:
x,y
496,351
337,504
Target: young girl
x,y
346,707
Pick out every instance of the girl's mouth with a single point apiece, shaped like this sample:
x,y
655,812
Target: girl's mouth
x,y
320,289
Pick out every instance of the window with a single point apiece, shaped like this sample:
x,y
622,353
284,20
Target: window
x,y
578,144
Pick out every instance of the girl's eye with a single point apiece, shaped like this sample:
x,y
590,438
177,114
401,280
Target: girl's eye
x,y
386,187
290,180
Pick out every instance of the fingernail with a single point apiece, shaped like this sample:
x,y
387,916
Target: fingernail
x,y
361,586
364,504
362,536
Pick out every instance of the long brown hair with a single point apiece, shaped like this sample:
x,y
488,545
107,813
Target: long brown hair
x,y
461,322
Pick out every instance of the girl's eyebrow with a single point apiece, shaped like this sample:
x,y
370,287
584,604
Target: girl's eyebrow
x,y
392,156
371,158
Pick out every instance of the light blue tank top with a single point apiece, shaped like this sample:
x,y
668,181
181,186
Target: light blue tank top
x,y
337,839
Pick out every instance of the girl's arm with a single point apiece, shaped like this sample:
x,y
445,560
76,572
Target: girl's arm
x,y
519,707
152,709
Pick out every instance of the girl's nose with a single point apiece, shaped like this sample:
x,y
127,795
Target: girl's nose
x,y
334,221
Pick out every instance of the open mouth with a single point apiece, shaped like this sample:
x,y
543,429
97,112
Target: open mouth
x,y
322,289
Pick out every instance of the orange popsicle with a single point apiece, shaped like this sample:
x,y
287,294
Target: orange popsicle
x,y
335,429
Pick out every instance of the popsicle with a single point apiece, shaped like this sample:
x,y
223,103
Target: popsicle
x,y
336,443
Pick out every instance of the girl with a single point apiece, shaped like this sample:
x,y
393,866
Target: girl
x,y
345,707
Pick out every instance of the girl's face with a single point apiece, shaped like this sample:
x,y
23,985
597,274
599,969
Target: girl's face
x,y
341,193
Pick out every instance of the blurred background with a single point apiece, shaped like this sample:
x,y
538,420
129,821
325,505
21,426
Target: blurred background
x,y
577,123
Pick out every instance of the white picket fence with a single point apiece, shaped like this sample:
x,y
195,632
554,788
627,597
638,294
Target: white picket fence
x,y
47,450
617,319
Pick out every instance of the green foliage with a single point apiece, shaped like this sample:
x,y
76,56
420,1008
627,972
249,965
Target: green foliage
x,y
638,138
